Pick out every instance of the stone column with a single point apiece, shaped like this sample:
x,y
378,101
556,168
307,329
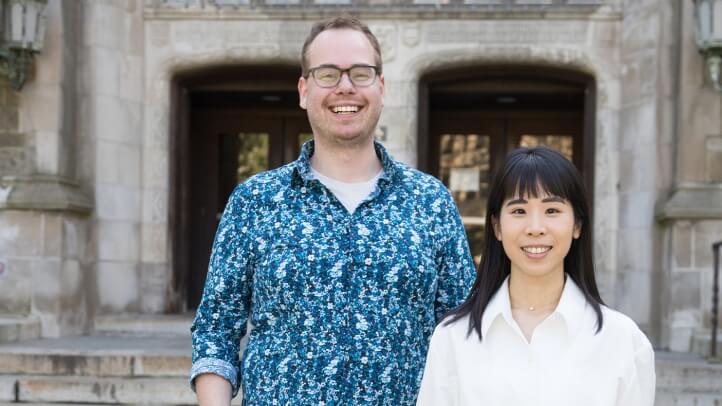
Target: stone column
x,y
692,214
43,209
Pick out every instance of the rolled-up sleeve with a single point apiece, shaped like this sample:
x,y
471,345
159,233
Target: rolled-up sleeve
x,y
456,272
220,321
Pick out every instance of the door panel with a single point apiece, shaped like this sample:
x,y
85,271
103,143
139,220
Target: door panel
x,y
226,148
467,148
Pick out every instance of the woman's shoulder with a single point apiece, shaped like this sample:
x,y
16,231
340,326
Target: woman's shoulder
x,y
622,328
451,327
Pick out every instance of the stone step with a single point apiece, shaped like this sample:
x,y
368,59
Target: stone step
x,y
143,325
77,389
94,390
701,343
18,328
687,379
101,356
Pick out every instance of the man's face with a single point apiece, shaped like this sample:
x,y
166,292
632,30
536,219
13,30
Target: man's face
x,y
345,114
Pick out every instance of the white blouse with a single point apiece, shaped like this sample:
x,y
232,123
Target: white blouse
x,y
566,363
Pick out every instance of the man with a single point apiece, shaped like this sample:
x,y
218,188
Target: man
x,y
344,259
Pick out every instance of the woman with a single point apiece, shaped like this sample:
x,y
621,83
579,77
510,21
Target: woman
x,y
534,330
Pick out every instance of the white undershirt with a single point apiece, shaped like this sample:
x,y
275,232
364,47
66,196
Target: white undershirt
x,y
566,363
350,194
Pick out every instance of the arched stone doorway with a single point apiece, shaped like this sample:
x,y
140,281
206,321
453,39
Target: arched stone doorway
x,y
471,117
232,123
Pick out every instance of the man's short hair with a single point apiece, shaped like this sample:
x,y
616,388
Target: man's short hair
x,y
339,23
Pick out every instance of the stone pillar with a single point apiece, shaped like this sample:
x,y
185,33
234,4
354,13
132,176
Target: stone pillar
x,y
43,209
692,214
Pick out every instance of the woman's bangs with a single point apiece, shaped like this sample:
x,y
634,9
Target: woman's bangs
x,y
532,177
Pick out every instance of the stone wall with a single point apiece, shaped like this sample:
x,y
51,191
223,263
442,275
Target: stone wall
x,y
43,210
110,132
690,216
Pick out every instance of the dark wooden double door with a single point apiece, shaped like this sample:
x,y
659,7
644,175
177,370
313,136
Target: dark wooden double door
x,y
467,148
225,148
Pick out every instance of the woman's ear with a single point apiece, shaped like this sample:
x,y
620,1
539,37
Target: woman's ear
x,y
497,228
577,230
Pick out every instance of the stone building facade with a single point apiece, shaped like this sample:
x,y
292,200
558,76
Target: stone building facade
x,y
101,162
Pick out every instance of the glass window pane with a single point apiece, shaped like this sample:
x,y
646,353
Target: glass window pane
x,y
561,143
464,165
252,155
302,138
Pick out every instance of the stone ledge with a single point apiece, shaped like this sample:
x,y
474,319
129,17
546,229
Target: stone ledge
x,y
693,201
393,11
18,328
42,192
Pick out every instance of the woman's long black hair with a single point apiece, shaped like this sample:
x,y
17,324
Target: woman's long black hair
x,y
529,172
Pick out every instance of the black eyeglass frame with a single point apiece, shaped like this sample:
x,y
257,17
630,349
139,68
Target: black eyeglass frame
x,y
347,71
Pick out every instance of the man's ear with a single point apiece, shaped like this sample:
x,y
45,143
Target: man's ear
x,y
497,228
302,92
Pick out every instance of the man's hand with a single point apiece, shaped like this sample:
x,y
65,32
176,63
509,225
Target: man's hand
x,y
212,390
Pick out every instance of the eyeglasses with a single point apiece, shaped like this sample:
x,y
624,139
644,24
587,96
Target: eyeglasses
x,y
330,75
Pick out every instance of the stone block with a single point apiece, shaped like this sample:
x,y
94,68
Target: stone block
x,y
7,388
682,244
16,287
118,163
46,282
638,78
105,390
713,159
53,235
635,249
118,285
703,241
160,365
118,240
131,78
74,237
633,294
103,26
105,70
16,160
18,328
637,126
155,169
118,120
42,109
155,206
154,280
9,119
117,202
636,209
681,329
685,291
33,362
640,31
154,244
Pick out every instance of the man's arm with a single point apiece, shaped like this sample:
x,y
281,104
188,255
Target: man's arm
x,y
212,390
456,272
221,318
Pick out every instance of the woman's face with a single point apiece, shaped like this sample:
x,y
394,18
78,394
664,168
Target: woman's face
x,y
536,233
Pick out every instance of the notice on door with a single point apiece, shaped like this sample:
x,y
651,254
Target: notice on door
x,y
464,180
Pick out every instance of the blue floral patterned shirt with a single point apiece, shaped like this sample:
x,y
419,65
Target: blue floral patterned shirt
x,y
343,305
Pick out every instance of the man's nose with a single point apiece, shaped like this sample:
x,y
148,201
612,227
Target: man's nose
x,y
345,85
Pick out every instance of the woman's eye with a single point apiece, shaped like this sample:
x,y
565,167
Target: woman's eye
x,y
553,211
518,211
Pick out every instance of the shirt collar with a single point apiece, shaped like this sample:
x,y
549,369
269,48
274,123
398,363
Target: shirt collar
x,y
571,307
302,166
